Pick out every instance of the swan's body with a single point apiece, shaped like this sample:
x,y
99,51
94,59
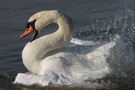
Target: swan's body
x,y
34,52
81,61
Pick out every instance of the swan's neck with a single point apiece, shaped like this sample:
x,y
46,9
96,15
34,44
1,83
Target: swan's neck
x,y
35,51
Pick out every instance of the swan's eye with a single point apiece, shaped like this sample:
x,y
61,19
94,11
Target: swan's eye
x,y
27,25
31,23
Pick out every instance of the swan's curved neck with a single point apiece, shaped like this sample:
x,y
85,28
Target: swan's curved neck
x,y
35,51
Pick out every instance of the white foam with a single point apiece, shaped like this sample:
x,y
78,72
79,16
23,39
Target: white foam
x,y
79,62
82,42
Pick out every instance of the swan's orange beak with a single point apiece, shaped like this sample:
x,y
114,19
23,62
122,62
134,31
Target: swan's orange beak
x,y
27,32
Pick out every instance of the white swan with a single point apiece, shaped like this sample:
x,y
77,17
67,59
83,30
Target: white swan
x,y
73,64
34,52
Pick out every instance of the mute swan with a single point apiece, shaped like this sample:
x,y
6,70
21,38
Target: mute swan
x,y
35,50
75,63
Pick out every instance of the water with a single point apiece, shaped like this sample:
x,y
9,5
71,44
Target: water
x,y
95,20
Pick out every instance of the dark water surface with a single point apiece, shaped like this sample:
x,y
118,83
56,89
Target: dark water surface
x,y
93,19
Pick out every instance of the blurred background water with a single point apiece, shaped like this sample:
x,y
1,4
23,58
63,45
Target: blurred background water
x,y
96,20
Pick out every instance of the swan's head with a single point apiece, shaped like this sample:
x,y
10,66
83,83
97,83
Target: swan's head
x,y
30,27
39,20
35,23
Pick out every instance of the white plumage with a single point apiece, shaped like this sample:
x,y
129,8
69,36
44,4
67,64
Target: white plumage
x,y
50,59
